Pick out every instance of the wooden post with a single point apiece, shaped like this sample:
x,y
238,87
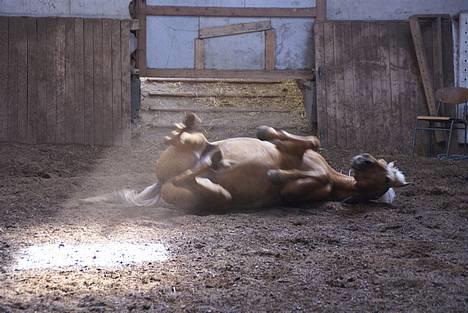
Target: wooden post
x,y
270,49
199,54
321,6
424,70
141,37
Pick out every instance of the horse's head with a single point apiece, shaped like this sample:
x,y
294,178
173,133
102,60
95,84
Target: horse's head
x,y
375,178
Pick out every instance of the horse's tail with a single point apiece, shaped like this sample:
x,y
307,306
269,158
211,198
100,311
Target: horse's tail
x,y
149,196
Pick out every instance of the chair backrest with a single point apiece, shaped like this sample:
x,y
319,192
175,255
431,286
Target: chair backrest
x,y
452,95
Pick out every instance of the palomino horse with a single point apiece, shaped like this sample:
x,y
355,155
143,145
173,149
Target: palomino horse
x,y
273,169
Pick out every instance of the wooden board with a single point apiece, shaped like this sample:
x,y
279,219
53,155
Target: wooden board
x,y
69,109
116,83
22,83
160,10
234,29
88,41
199,54
270,49
41,74
126,104
368,85
51,61
4,79
107,90
321,83
61,80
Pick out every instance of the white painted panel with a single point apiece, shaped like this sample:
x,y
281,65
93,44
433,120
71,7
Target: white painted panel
x,y
294,43
170,41
199,3
390,10
100,8
245,51
34,7
279,3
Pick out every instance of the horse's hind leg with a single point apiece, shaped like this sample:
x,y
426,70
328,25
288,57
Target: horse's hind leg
x,y
270,134
200,193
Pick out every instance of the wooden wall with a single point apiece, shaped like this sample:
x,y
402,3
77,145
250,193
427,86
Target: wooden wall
x,y
64,80
369,89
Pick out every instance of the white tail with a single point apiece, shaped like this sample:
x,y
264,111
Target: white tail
x,y
149,196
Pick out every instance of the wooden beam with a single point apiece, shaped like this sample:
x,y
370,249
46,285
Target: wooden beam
x,y
199,54
321,10
424,69
141,36
243,74
234,29
161,10
270,49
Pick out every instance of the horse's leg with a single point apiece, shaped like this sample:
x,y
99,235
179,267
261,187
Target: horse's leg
x,y
198,193
306,190
270,134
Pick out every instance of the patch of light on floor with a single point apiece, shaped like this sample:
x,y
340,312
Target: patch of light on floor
x,y
99,255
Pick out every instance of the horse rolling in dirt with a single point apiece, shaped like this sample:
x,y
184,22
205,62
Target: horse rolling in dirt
x,y
276,168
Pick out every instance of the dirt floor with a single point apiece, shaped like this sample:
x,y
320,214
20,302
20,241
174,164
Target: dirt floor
x,y
411,256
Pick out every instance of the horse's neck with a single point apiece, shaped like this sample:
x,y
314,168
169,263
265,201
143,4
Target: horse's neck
x,y
344,186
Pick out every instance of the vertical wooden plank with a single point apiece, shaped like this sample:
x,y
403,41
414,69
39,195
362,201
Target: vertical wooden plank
x,y
424,70
125,79
362,84
13,79
41,76
321,6
374,108
22,41
331,108
319,40
349,104
270,49
32,81
60,81
382,87
69,80
98,105
4,79
116,84
107,81
199,54
88,82
141,36
52,80
78,107
340,59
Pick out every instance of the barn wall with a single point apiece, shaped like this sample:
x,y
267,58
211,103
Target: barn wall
x,y
369,89
77,8
390,10
64,80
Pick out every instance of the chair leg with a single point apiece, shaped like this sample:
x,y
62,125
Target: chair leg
x,y
449,139
414,138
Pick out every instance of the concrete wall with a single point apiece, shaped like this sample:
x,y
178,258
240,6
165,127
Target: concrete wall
x,y
390,9
78,8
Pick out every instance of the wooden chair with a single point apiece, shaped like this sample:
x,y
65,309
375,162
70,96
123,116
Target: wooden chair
x,y
445,122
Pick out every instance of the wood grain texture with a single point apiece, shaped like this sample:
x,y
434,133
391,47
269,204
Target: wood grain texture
x,y
116,83
13,81
161,10
270,49
60,81
22,45
79,81
234,29
32,81
98,86
51,61
107,99
199,54
69,108
4,79
321,83
126,103
88,112
331,98
42,73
